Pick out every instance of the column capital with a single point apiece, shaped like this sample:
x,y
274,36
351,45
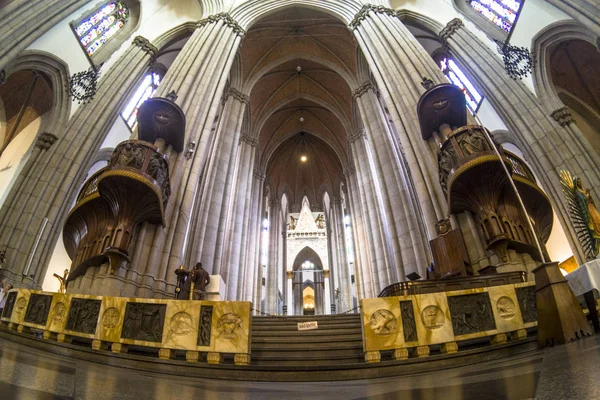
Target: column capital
x,y
246,138
336,200
563,116
359,133
227,20
450,28
236,94
350,170
363,13
364,88
258,174
45,141
146,46
274,202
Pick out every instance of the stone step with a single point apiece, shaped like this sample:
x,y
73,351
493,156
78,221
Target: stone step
x,y
312,333
289,340
301,347
294,321
294,327
314,354
303,360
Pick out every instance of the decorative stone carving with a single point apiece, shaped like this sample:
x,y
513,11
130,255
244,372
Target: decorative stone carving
x,y
450,28
259,175
527,303
236,94
9,305
383,322
20,305
246,138
358,134
363,13
205,325
181,324
2,77
471,313
229,326
144,321
83,315
45,141
59,312
227,20
146,46
563,116
505,307
364,88
433,317
427,83
110,318
38,309
409,325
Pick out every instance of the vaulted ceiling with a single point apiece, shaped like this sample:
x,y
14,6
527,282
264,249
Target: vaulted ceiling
x,y
299,66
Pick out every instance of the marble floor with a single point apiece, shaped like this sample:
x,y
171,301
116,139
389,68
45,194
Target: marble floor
x,y
564,372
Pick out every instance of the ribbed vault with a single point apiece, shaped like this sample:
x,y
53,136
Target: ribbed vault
x,y
298,66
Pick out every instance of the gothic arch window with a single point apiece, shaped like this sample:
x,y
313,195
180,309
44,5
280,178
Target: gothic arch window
x,y
143,93
456,76
496,17
105,27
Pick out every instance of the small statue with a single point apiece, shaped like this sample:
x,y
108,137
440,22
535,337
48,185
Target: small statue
x,y
292,224
584,214
320,221
2,257
63,281
195,283
427,83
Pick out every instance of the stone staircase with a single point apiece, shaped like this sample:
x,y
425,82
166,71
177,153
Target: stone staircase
x,y
276,341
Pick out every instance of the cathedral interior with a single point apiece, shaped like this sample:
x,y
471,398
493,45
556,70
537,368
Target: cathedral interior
x,y
315,199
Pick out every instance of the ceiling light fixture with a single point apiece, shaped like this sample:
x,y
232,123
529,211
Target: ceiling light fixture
x,y
303,158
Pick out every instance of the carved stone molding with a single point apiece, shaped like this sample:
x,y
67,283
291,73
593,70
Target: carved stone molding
x,y
236,94
45,141
563,116
350,170
259,174
357,135
227,20
146,46
246,138
364,88
336,200
274,203
450,28
364,13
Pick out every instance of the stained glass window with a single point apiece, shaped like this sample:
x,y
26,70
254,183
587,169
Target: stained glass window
x,y
103,24
457,77
144,92
502,13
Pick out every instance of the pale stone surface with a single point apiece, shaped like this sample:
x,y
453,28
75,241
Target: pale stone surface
x,y
216,289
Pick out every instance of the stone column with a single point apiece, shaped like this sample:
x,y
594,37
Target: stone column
x,y
587,12
209,236
198,76
333,262
408,241
342,255
290,296
548,146
378,244
53,182
398,63
236,250
363,274
22,22
273,263
252,264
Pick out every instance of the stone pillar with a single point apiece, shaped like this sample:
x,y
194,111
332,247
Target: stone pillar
x,y
339,231
333,262
23,22
252,263
198,76
53,182
236,251
362,266
408,241
209,236
290,295
586,12
377,245
398,63
548,146
273,263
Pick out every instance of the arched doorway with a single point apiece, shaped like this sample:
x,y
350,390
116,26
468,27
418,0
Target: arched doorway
x,y
308,283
